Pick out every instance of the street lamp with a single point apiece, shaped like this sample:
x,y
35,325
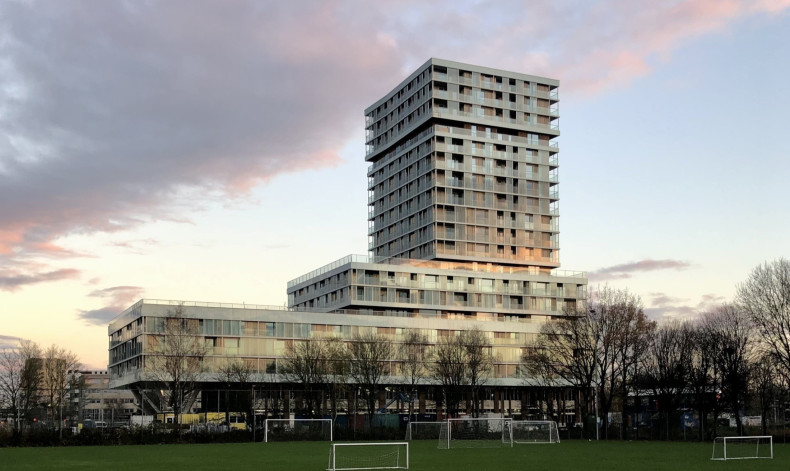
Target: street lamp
x,y
597,428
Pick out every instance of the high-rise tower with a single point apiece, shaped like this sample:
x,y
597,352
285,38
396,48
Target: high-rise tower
x,y
464,167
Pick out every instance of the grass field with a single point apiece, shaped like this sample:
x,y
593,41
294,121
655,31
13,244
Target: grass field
x,y
302,456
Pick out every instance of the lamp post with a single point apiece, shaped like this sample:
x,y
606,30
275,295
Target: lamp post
x,y
597,428
596,414
411,402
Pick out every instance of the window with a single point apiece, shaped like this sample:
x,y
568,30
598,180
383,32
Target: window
x,y
431,281
268,329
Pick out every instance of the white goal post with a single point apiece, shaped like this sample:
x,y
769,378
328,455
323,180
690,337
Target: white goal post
x,y
481,432
535,431
297,430
383,455
743,448
416,430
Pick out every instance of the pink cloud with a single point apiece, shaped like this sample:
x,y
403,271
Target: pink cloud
x,y
770,6
663,306
626,270
175,106
12,279
597,58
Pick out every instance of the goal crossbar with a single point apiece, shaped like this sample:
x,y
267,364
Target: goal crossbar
x,y
401,459
737,445
270,424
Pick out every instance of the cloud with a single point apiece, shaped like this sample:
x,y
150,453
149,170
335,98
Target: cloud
x,y
662,300
663,306
12,279
137,246
9,341
626,270
117,114
592,47
117,299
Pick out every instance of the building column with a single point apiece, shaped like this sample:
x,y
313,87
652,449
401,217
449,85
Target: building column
x,y
382,400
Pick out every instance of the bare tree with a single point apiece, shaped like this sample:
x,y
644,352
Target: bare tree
x,y
631,341
765,298
462,363
235,376
319,365
596,345
766,383
412,354
569,348
175,364
667,365
703,375
369,354
449,371
59,371
337,371
20,374
304,362
623,331
479,364
731,333
540,376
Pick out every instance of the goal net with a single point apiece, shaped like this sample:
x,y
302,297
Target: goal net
x,y
476,433
348,456
741,448
423,430
535,431
280,430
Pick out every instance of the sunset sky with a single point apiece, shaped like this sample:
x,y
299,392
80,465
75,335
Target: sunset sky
x,y
213,150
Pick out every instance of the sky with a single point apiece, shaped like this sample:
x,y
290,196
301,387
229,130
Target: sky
x,y
212,150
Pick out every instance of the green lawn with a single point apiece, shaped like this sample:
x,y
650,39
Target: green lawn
x,y
569,455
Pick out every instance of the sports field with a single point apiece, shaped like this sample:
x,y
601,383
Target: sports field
x,y
303,456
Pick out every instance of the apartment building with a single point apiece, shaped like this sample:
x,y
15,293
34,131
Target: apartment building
x,y
464,203
464,167
98,404
463,234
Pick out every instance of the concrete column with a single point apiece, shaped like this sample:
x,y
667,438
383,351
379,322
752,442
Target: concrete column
x,y
382,399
